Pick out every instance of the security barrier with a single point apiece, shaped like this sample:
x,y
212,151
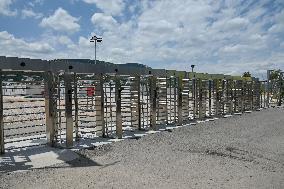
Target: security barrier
x,y
62,101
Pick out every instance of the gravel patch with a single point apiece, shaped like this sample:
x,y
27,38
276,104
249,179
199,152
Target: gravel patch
x,y
238,152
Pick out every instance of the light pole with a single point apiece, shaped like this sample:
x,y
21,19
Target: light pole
x,y
192,66
269,88
96,39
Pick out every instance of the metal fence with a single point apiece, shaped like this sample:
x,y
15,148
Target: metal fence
x,y
60,102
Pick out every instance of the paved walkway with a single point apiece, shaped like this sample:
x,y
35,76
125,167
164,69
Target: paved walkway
x,y
237,152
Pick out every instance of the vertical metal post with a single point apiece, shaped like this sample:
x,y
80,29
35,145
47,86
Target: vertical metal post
x,y
180,88
170,87
227,99
268,89
210,97
194,97
99,103
175,99
50,108
87,101
200,99
153,102
242,96
235,95
148,101
2,146
223,99
281,89
76,107
230,94
68,109
138,79
213,96
252,83
118,107
57,103
167,113
158,118
217,97
131,100
259,95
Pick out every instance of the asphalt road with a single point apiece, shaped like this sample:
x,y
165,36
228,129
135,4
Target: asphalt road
x,y
238,152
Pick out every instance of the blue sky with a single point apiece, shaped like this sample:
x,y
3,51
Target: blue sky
x,y
219,36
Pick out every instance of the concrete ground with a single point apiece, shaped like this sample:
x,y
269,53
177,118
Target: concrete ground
x,y
237,152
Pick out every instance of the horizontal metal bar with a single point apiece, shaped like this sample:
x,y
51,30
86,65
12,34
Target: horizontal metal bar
x,y
24,107
24,139
25,120
31,113
37,66
26,133
23,127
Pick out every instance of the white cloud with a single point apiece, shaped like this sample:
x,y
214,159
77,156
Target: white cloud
x,y
282,45
103,21
5,8
33,3
210,34
278,27
112,7
231,24
222,37
26,13
61,20
11,46
65,40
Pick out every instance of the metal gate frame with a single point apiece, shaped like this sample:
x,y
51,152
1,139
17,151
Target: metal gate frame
x,y
212,94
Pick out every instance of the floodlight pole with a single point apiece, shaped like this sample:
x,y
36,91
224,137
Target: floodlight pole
x,y
95,51
96,39
192,66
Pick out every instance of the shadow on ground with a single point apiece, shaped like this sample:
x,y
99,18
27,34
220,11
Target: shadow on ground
x,y
42,157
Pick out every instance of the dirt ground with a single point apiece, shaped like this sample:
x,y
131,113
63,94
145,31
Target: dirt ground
x,y
238,152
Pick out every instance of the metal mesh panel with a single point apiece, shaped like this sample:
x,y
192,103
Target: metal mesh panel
x,y
145,102
163,101
23,109
85,105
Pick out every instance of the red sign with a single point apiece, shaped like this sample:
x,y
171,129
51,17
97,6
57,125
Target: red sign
x,y
90,91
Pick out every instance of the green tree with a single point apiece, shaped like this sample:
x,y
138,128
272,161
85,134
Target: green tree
x,y
276,85
246,74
